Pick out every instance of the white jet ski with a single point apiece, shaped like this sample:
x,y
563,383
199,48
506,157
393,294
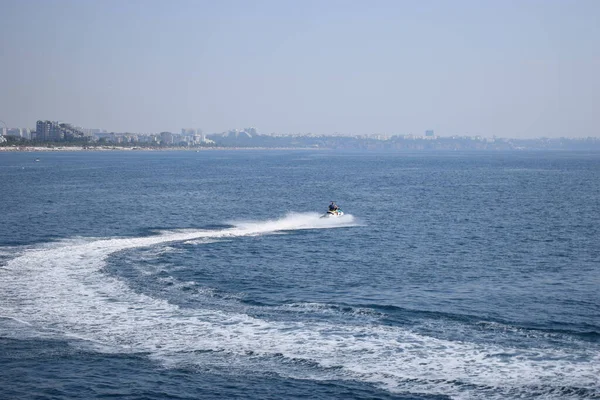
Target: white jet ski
x,y
333,212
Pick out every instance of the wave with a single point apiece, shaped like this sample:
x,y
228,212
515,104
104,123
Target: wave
x,y
61,288
584,332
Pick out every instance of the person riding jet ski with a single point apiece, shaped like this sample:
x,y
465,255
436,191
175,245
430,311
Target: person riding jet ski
x,y
333,206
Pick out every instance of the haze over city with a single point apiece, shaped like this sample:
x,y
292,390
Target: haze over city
x,y
512,69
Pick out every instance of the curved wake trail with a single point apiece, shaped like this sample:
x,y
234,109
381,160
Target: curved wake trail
x,y
61,288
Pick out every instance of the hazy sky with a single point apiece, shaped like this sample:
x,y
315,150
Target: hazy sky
x,y
507,68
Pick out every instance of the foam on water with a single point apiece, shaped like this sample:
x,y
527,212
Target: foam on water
x,y
296,221
60,289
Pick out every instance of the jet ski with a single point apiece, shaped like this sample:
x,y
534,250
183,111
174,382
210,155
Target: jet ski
x,y
333,213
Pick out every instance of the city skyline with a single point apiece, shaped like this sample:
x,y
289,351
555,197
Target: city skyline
x,y
34,133
516,70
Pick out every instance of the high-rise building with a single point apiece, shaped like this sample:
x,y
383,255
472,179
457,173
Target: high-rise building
x,y
53,131
429,133
45,130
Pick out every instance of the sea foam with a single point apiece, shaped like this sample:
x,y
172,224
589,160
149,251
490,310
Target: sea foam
x,y
60,289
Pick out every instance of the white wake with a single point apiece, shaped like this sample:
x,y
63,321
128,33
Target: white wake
x,y
60,289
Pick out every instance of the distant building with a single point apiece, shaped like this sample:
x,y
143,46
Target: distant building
x,y
104,136
193,136
429,133
54,131
16,132
47,131
26,133
92,131
198,139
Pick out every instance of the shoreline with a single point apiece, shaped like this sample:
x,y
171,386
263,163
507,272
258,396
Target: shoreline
x,y
67,149
31,149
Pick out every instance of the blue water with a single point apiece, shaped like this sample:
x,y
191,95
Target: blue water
x,y
184,275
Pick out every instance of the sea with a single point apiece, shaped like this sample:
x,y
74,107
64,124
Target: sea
x,y
211,275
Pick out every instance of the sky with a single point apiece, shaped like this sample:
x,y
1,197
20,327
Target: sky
x,y
510,68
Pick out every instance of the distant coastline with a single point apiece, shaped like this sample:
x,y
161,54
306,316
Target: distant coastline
x,y
60,136
345,143
10,149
